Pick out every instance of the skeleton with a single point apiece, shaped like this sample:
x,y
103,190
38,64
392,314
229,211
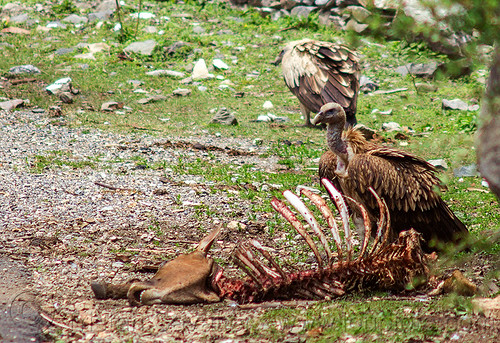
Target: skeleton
x,y
195,278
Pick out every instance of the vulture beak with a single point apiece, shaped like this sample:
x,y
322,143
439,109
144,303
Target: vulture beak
x,y
279,58
317,119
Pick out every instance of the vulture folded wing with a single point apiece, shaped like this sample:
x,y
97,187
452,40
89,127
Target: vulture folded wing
x,y
408,184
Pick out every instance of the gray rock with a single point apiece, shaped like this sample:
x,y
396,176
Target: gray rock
x,y
357,12
200,70
321,2
199,29
150,29
366,85
66,97
354,25
107,5
154,98
225,117
135,83
219,64
56,25
182,92
111,106
455,104
391,126
439,164
61,85
24,69
302,11
5,45
367,132
466,171
418,70
160,72
64,51
425,87
11,104
103,15
19,19
143,48
75,19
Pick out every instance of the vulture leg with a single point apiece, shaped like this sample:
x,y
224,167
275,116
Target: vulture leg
x,y
307,115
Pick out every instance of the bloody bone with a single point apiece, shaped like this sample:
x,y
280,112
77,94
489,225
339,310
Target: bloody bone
x,y
194,277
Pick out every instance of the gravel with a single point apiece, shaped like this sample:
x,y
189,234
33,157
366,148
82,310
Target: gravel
x,y
68,228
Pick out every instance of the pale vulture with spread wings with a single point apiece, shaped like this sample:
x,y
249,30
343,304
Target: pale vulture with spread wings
x,y
320,72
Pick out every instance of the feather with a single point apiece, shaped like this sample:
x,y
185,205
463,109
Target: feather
x,y
319,72
406,182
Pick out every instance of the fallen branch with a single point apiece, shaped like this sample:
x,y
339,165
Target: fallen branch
x,y
61,325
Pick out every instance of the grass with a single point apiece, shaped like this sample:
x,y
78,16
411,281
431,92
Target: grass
x,y
252,42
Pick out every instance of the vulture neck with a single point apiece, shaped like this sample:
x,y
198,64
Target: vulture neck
x,y
339,147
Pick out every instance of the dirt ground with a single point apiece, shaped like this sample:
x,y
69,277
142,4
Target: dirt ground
x,y
62,228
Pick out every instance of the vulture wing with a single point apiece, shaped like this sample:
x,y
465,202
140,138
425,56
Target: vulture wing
x,y
320,72
408,184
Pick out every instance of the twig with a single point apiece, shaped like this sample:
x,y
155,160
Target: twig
x,y
18,82
50,320
138,18
97,183
118,12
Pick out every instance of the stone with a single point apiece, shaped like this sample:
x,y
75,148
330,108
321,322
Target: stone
x,y
357,12
24,69
367,132
98,47
386,112
15,30
102,15
355,26
111,106
154,98
302,11
288,4
267,105
366,85
457,104
489,307
391,127
143,48
219,64
75,19
11,104
142,15
425,87
466,171
198,29
225,117
64,51
172,49
19,19
425,70
440,164
56,25
182,92
135,83
61,85
107,5
86,56
150,29
320,3
66,97
200,70
166,72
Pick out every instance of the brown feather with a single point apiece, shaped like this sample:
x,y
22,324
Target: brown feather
x,y
406,182
321,72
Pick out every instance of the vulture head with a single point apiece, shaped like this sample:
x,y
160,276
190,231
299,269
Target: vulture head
x,y
333,115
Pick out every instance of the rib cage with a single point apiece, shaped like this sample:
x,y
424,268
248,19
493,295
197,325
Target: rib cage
x,y
384,265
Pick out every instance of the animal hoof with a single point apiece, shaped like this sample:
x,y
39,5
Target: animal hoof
x,y
99,289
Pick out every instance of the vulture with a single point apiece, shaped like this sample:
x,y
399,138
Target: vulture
x,y
404,181
320,72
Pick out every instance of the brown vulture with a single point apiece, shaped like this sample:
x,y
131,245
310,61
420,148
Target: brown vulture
x,y
320,72
406,182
